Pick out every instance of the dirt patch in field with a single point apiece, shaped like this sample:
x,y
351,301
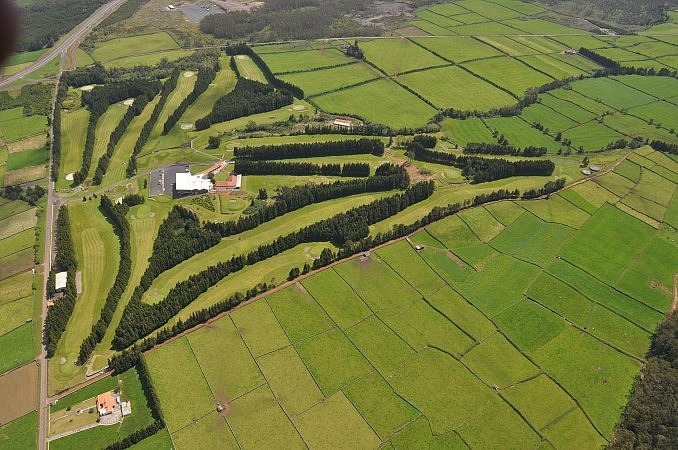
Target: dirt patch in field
x,y
25,175
19,392
27,144
654,284
15,263
412,171
455,258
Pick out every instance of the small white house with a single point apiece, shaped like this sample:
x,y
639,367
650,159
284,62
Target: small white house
x,y
60,281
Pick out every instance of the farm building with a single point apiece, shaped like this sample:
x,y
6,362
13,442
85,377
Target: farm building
x,y
232,183
106,403
187,184
594,168
342,123
570,51
60,281
215,168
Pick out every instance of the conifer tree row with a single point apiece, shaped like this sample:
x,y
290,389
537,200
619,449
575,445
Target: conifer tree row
x,y
205,76
249,167
364,146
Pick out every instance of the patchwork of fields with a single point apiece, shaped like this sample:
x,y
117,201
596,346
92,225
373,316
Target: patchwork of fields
x,y
375,350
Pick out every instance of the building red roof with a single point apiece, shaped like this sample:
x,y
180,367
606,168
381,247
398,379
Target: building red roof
x,y
230,182
215,166
106,402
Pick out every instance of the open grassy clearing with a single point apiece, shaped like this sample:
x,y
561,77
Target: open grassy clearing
x,y
20,433
629,170
591,136
17,223
381,101
498,363
635,127
426,28
508,73
541,401
248,69
260,329
419,433
133,45
508,46
17,242
660,87
612,93
462,313
453,87
25,57
566,108
11,113
557,210
298,313
73,134
482,223
82,58
404,259
591,104
661,112
210,431
624,56
410,56
184,87
27,158
325,80
492,28
548,117
14,129
554,67
464,131
521,134
437,19
458,49
299,61
16,347
149,59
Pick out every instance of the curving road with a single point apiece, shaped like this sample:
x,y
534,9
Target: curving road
x,y
61,47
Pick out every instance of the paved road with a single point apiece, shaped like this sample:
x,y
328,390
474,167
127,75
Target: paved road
x,y
65,42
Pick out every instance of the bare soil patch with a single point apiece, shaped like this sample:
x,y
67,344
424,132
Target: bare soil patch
x,y
25,175
19,392
27,144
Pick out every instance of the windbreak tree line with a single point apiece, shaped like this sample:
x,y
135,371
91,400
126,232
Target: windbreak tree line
x,y
249,167
205,76
362,146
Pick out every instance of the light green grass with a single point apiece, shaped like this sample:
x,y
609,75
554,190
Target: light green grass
x,y
102,135
554,67
15,243
11,113
505,212
73,134
25,57
133,45
418,433
15,129
290,381
462,313
574,431
520,133
17,348
557,210
395,56
540,400
508,73
404,259
616,184
20,433
210,431
660,87
298,313
458,49
17,223
325,80
617,331
530,326
223,83
612,92
509,46
248,69
562,299
629,170
150,59
480,29
304,60
482,223
16,287
260,329
27,158
591,136
547,117
464,131
184,87
661,112
569,109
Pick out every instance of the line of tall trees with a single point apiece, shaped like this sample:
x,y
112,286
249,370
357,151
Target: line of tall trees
x,y
352,225
205,76
247,98
59,313
364,129
480,170
598,58
134,110
483,148
548,188
249,167
362,146
165,92
665,147
117,215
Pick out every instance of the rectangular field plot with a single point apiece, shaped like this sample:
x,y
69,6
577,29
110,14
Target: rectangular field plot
x,y
598,376
453,87
654,49
574,431
661,112
335,423
458,49
259,328
20,433
16,347
592,136
660,87
259,407
554,67
498,363
578,200
540,43
333,360
576,42
73,134
437,19
16,287
482,223
521,134
15,129
17,242
380,345
406,261
636,127
655,187
612,93
326,80
17,223
16,262
464,131
446,264
561,299
588,103
540,400
505,212
129,46
629,170
529,325
179,384
304,60
499,426
290,381
532,239
508,73
619,332
223,357
381,101
298,313
462,313
540,26
27,158
141,60
491,10
395,56
490,295
548,117
591,249
337,298
557,210
621,55
426,28
210,431
508,46
425,383
381,407
616,184
566,108
418,435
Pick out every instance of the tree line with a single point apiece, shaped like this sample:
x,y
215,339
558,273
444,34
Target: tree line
x,y
141,319
59,313
362,146
247,98
31,195
205,76
249,167
117,215
665,147
362,129
480,170
483,148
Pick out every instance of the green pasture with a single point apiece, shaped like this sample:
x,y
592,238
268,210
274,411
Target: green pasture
x,y
25,57
82,58
149,59
381,101
16,287
210,431
540,26
97,253
654,49
404,259
508,73
464,131
562,299
591,136
491,10
458,49
223,83
576,42
298,313
551,119
594,105
520,133
480,29
661,112
17,223
624,56
181,388
462,313
482,223
615,184
660,87
11,113
612,93
105,126
554,67
575,430
73,134
540,43
17,242
418,433
395,56
15,129
133,45
318,81
16,347
452,87
655,187
529,326
505,212
260,329
27,158
444,263
508,46
20,433
424,27
635,127
447,9
437,19
557,210
540,400
619,332
335,423
301,61
498,363
290,381
568,109
248,69
577,61
15,263
629,170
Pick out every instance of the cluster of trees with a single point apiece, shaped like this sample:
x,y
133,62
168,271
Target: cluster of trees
x,y
134,110
612,67
31,195
205,76
244,49
354,51
141,319
97,101
116,214
247,98
165,92
598,58
249,167
364,129
45,21
480,170
548,188
649,419
664,147
623,12
483,148
60,312
362,146
34,98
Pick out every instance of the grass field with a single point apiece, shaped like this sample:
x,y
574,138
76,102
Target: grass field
x,y
105,126
149,59
458,49
299,61
248,69
14,129
73,134
27,158
464,131
20,433
508,73
410,55
133,45
325,80
222,85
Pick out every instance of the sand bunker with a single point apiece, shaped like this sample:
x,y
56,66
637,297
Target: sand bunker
x,y
128,102
298,107
89,87
189,74
69,177
186,126
240,57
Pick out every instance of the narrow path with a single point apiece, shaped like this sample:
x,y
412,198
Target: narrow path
x,y
68,433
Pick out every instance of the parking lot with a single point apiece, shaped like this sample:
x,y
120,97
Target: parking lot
x,y
162,179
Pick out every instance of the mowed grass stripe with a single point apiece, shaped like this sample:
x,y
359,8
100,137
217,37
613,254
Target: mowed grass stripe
x,y
20,241
73,134
184,87
222,85
105,126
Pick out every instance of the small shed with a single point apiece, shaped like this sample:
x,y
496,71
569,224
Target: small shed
x,y
342,123
418,247
594,168
60,280
586,172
